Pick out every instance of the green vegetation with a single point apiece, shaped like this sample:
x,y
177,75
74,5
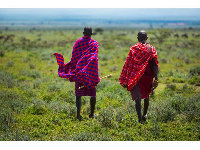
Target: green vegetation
x,y
35,104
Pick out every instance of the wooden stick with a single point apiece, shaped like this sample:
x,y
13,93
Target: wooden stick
x,y
100,79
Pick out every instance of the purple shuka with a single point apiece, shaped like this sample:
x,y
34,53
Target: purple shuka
x,y
83,67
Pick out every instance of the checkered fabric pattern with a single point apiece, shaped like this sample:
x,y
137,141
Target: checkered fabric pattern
x,y
136,63
83,67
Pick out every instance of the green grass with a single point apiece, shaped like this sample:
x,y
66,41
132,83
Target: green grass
x,y
35,104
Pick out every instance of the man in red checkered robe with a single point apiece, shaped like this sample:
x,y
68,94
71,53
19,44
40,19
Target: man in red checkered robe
x,y
137,75
82,69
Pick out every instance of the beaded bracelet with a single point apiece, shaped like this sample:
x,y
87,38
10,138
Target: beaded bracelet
x,y
156,81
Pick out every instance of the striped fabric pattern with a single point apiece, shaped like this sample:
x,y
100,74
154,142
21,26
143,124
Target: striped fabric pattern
x,y
83,67
136,64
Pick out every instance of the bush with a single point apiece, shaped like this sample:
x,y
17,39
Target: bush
x,y
173,106
7,79
98,30
171,86
194,80
114,68
194,71
10,64
62,107
22,78
83,136
6,118
163,60
105,57
37,83
12,100
38,107
54,87
187,88
162,112
119,115
187,60
2,53
175,80
27,59
33,74
32,66
106,117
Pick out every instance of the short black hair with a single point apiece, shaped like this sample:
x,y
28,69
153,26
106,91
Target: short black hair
x,y
87,31
142,36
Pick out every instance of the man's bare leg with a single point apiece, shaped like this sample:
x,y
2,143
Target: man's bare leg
x,y
92,106
136,96
78,106
146,105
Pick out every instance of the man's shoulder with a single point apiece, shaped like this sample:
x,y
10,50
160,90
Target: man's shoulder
x,y
139,45
80,39
135,46
94,41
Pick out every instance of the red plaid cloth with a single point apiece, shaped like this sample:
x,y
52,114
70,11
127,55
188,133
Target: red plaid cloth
x,y
83,67
136,63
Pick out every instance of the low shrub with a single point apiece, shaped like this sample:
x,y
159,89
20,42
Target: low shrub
x,y
114,68
2,53
163,60
83,136
7,79
175,80
187,88
10,64
187,60
171,86
6,118
194,80
34,74
119,115
22,78
106,116
27,59
32,66
194,71
62,107
38,107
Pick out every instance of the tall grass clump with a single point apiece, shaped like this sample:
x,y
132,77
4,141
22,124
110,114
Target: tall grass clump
x,y
194,71
10,64
106,116
6,118
32,66
37,107
62,107
7,79
172,106
34,74
2,53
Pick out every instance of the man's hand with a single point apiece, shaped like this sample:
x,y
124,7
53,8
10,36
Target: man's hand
x,y
155,84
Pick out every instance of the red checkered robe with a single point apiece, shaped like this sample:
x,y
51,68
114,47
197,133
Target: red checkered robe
x,y
136,65
83,67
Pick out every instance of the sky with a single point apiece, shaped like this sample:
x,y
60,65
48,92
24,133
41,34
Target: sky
x,y
100,11
126,13
100,4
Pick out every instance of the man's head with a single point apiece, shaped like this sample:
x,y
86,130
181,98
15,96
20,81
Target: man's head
x,y
142,36
87,31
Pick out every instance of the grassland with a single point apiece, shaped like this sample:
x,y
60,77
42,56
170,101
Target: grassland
x,y
35,104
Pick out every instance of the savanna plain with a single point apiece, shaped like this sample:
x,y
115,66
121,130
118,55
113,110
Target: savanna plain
x,y
37,105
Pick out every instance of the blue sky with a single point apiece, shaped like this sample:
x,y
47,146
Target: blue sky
x,y
126,13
